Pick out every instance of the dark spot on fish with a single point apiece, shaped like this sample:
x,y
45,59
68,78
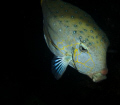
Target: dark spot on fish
x,y
76,11
66,26
65,3
60,21
81,17
91,30
83,41
80,37
81,32
55,16
92,37
86,39
61,6
66,10
89,21
94,28
72,16
105,40
66,21
99,34
85,30
74,32
90,44
96,36
60,30
62,16
80,22
57,11
87,24
75,25
85,15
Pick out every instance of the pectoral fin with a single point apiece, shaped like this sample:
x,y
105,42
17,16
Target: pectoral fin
x,y
59,65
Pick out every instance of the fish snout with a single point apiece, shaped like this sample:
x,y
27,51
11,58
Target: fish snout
x,y
100,75
104,71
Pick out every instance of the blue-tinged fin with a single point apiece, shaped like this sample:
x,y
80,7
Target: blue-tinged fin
x,y
59,65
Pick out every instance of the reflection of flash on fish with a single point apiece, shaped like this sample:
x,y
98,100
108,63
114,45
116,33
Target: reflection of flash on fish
x,y
75,39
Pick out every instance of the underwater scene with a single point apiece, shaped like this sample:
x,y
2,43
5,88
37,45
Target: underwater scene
x,y
67,60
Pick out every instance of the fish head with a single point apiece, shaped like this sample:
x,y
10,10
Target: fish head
x,y
90,57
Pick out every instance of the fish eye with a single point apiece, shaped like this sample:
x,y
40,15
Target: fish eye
x,y
82,49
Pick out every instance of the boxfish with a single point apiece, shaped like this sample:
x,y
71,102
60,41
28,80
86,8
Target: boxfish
x,y
75,39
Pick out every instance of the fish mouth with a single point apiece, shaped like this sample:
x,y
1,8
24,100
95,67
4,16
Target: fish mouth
x,y
98,77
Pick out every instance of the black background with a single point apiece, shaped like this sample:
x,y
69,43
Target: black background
x,y
34,83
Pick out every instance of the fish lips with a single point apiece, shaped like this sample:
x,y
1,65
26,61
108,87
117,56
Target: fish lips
x,y
98,77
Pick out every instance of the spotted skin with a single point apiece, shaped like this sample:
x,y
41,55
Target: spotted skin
x,y
68,29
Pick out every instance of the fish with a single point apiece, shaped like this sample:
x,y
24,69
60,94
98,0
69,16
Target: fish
x,y
75,39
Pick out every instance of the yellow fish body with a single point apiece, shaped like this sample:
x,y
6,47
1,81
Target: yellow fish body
x,y
75,39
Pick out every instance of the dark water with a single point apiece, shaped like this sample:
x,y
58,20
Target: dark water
x,y
34,84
